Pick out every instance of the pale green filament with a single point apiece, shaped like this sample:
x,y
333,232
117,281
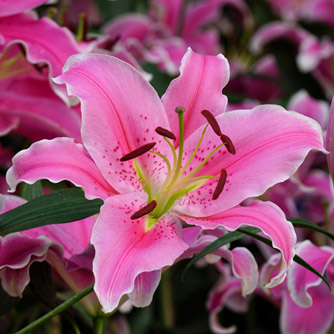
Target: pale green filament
x,y
13,66
181,140
195,151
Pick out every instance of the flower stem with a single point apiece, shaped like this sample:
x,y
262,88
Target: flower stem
x,y
98,325
62,307
167,300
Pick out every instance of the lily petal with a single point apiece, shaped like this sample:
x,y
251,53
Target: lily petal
x,y
301,279
17,253
74,237
145,285
198,87
133,250
317,318
265,155
112,92
266,216
56,160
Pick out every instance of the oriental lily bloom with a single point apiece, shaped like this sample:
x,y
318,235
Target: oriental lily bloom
x,y
181,159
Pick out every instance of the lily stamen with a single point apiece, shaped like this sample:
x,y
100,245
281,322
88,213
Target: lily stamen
x,y
220,184
228,143
144,210
165,133
137,152
212,121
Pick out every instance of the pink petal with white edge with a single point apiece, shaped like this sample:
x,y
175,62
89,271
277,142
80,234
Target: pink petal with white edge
x,y
8,7
145,285
265,155
300,280
198,87
17,253
316,319
113,91
245,268
227,288
56,160
266,216
133,250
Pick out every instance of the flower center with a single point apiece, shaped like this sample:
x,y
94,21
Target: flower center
x,y
13,62
178,182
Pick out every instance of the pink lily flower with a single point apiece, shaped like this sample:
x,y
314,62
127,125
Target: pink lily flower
x,y
156,184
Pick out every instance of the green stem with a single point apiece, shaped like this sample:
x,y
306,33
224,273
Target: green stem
x,y
98,325
167,300
62,307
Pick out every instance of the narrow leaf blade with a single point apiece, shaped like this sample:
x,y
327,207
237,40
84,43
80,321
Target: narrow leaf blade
x,y
302,223
61,206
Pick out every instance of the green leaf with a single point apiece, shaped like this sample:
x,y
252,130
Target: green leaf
x,y
61,206
225,239
302,223
31,191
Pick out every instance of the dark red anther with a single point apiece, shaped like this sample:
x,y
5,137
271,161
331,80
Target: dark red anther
x,y
137,152
220,184
144,210
228,143
212,121
165,133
